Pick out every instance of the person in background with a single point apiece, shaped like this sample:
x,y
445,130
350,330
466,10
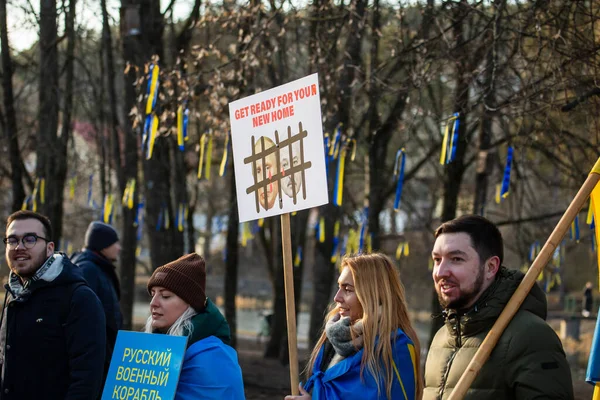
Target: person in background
x,y
588,300
473,288
97,262
368,349
51,343
179,306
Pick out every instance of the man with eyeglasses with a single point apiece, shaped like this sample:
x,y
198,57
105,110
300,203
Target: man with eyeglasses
x,y
52,341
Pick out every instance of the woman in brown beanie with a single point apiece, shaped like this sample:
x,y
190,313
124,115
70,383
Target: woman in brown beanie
x,y
180,307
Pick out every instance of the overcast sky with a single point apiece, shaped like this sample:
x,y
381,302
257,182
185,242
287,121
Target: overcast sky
x,y
23,28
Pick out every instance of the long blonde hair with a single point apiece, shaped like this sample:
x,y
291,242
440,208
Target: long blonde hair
x,y
381,295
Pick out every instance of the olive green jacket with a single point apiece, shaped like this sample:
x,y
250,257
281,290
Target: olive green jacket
x,y
527,363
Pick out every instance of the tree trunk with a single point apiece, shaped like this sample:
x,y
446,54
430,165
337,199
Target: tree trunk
x,y
47,146
231,262
484,161
131,54
166,242
51,147
454,172
16,173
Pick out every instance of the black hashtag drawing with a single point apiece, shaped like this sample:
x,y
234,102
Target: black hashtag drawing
x,y
268,148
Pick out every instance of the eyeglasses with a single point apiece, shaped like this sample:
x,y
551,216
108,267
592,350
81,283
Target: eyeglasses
x,y
28,241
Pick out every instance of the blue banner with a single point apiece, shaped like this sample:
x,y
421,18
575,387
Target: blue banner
x,y
145,366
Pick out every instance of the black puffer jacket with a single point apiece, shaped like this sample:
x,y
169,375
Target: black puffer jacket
x,y
54,346
101,276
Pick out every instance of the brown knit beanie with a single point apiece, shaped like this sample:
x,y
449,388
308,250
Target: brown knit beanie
x,y
186,277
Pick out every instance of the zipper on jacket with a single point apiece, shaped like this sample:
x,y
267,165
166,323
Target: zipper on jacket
x,y
458,344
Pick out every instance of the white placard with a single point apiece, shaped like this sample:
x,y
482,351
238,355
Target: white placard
x,y
268,130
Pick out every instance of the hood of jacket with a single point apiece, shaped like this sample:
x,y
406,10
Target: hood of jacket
x,y
87,256
210,322
57,270
491,303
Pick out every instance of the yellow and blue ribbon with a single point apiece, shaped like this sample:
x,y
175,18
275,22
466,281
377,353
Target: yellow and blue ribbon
x,y
25,204
574,230
34,195
153,134
152,87
321,230
399,165
339,179
108,208
450,140
298,257
506,178
181,216
128,194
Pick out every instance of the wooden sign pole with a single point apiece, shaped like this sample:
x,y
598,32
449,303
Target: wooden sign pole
x,y
290,302
484,351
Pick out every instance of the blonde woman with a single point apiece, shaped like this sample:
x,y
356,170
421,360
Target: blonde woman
x,y
368,348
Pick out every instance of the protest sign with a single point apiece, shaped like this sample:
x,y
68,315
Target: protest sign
x,y
145,366
277,139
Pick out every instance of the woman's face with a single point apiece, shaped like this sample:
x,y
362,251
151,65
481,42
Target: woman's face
x,y
165,307
346,298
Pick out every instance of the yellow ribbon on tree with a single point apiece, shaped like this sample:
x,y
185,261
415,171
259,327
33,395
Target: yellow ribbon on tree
x,y
201,158
72,183
225,155
153,132
180,217
180,127
108,208
209,147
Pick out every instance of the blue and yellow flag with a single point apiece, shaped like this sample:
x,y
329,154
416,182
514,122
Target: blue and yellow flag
x,y
593,370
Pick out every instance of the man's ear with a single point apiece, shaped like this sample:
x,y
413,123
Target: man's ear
x,y
49,249
492,266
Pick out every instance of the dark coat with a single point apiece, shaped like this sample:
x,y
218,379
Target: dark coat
x,y
54,349
527,363
100,274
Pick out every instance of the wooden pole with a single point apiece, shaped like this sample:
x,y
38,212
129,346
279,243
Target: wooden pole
x,y
484,351
290,302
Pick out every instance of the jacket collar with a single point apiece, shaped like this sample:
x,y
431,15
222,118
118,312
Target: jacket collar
x,y
48,272
209,322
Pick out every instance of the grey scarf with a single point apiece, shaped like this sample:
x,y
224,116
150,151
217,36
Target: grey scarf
x,y
339,332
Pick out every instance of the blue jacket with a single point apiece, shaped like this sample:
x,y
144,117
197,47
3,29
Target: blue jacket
x,y
101,276
53,347
210,369
343,381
